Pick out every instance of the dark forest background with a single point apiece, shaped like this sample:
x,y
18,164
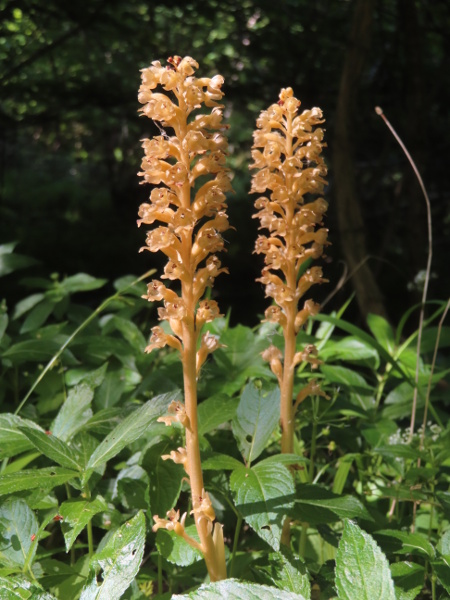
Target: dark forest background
x,y
70,132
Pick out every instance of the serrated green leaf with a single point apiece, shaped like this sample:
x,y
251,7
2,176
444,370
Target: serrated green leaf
x,y
18,524
264,495
51,447
119,559
12,440
408,579
74,413
257,415
29,479
362,570
76,515
165,478
175,549
131,429
214,411
288,573
19,588
410,542
231,589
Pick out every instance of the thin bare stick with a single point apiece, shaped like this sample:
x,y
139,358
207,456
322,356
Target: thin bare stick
x,y
379,112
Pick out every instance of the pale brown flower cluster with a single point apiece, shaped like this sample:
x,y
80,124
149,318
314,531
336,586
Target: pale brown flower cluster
x,y
287,153
189,203
186,163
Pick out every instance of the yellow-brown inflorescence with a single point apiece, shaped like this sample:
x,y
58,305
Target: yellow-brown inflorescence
x,y
187,163
287,153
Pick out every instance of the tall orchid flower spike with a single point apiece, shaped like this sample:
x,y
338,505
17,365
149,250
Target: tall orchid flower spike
x,y
291,171
187,164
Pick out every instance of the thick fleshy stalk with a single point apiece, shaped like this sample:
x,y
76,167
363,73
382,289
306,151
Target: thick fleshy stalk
x,y
287,153
193,217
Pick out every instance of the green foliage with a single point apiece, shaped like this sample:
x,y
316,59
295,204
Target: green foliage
x,y
84,466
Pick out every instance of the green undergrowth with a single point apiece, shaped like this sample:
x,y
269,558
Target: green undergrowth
x,y
83,474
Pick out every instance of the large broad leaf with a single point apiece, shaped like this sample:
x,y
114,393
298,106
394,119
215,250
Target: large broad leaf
x,y
10,262
257,415
32,350
264,495
231,589
119,560
29,479
74,413
214,411
131,429
51,447
175,549
18,525
76,515
362,570
165,478
382,332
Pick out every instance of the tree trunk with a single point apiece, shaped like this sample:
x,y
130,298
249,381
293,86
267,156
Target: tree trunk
x,y
349,214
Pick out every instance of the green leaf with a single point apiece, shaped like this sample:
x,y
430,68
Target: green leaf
x,y
288,573
442,571
127,328
382,332
408,578
37,316
18,524
81,282
257,415
13,441
411,543
264,495
38,350
131,429
19,588
315,497
4,320
165,478
76,515
51,447
23,306
74,413
29,479
214,411
175,549
217,462
111,389
119,559
350,348
10,262
362,570
347,378
231,589
241,358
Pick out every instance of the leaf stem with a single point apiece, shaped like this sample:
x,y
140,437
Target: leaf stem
x,y
235,543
